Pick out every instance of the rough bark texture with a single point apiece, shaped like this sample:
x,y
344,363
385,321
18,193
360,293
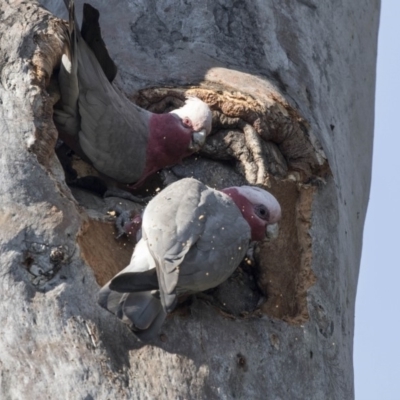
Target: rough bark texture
x,y
291,85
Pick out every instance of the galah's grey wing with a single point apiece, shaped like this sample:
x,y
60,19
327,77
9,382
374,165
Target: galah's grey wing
x,y
114,131
220,248
172,223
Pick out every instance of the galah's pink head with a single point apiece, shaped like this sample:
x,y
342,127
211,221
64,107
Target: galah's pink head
x,y
176,135
259,208
196,115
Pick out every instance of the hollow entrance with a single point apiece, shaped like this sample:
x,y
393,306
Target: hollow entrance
x,y
258,138
254,141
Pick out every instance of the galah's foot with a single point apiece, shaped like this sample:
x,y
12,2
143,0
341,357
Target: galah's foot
x,y
123,218
114,192
128,222
168,176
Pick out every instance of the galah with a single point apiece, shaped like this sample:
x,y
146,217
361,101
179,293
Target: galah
x,y
193,238
120,139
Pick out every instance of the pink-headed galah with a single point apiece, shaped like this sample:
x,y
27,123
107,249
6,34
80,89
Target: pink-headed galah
x,y
193,238
120,139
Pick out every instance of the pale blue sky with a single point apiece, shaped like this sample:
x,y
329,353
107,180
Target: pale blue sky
x,y
377,336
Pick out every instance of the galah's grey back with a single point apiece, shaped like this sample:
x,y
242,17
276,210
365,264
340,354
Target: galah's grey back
x,y
193,239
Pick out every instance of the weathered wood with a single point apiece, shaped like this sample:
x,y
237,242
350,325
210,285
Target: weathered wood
x,y
301,76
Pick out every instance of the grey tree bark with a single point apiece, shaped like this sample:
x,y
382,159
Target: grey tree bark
x,y
291,85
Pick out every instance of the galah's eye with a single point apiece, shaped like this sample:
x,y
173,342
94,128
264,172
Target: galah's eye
x,y
187,122
262,212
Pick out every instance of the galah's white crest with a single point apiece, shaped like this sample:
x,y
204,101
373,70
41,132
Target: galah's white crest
x,y
193,238
120,139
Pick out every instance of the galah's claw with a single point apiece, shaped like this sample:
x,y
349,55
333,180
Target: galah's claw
x,y
128,222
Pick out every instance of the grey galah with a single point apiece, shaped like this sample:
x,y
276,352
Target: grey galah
x,y
120,139
193,238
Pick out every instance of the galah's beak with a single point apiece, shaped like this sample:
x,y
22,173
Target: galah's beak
x,y
198,140
272,231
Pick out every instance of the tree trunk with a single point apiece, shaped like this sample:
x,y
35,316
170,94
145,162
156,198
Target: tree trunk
x,y
291,85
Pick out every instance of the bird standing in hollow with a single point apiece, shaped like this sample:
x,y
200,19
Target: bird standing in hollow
x,y
121,140
193,238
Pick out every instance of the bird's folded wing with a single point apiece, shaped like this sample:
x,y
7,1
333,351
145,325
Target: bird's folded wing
x,y
219,250
172,224
114,131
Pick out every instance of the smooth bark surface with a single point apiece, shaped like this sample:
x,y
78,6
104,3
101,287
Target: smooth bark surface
x,y
55,341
